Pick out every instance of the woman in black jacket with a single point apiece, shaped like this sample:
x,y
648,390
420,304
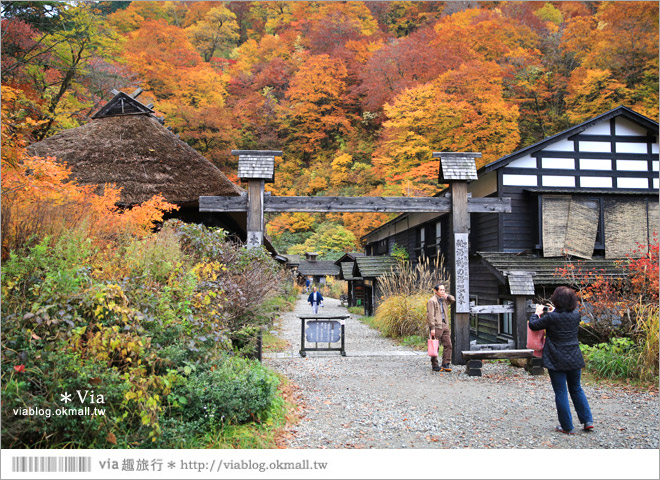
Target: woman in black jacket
x,y
562,356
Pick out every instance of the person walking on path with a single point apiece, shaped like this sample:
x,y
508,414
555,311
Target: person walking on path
x,y
562,356
436,317
315,299
307,284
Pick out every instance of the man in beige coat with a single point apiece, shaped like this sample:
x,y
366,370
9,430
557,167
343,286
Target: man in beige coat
x,y
437,317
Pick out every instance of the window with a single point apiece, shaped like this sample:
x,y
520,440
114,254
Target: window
x,y
438,235
506,320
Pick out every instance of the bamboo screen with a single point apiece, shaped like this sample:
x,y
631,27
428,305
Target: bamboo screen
x,y
555,222
583,216
625,224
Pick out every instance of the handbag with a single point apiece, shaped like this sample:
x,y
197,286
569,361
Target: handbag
x,y
432,347
535,340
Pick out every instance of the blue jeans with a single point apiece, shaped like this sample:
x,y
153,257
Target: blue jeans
x,y
560,380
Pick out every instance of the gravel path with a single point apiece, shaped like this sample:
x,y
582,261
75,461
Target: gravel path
x,y
382,395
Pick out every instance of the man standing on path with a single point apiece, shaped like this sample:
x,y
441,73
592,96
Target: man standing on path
x,y
436,317
315,299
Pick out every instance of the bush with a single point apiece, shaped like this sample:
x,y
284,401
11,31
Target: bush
x,y
132,321
335,288
234,390
615,359
401,316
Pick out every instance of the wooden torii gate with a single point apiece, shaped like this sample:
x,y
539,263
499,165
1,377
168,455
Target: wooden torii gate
x,y
257,167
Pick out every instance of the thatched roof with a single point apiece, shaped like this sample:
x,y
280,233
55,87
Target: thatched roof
x,y
138,154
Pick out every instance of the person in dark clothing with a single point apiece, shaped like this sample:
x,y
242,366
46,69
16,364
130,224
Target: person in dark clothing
x,y
315,299
562,356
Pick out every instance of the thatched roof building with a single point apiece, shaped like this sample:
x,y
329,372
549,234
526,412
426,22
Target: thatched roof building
x,y
124,144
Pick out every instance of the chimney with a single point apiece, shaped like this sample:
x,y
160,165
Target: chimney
x,y
311,256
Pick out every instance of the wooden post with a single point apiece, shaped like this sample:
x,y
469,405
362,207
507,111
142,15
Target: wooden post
x,y
519,327
256,167
255,213
460,285
457,169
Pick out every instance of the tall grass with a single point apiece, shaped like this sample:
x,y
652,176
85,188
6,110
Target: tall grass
x,y
647,331
413,280
402,315
406,292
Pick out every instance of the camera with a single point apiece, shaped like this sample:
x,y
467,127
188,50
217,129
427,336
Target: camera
x,y
546,309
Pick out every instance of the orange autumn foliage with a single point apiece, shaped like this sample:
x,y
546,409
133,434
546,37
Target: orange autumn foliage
x,y
39,200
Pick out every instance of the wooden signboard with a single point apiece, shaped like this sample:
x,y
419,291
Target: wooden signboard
x,y
462,278
323,331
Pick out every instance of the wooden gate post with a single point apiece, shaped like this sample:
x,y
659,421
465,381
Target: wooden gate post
x,y
521,286
256,167
457,169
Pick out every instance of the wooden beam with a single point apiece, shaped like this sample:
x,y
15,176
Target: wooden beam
x,y
223,204
477,354
489,205
357,204
354,204
484,309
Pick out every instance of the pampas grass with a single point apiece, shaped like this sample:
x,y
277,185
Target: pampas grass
x,y
648,329
405,293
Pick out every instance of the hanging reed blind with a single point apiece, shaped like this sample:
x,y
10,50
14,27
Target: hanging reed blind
x,y
625,225
555,221
583,216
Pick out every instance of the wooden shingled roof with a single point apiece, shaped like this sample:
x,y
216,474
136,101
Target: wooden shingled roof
x,y
347,271
521,283
545,269
318,268
372,267
349,257
457,165
257,164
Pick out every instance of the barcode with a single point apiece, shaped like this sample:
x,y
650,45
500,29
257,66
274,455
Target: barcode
x,y
51,464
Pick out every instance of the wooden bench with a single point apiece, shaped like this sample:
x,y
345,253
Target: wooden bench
x,y
474,360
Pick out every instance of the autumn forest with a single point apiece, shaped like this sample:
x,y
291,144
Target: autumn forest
x,y
356,94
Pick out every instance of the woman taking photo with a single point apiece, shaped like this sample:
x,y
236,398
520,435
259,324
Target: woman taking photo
x,y
562,356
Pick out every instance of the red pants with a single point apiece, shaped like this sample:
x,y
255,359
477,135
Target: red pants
x,y
445,341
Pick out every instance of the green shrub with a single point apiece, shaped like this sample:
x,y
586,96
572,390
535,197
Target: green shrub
x,y
41,387
616,359
356,310
235,390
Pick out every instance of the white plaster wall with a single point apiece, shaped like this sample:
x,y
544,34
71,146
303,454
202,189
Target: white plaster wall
x,y
623,126
558,181
625,182
595,146
595,182
595,164
520,180
562,163
632,165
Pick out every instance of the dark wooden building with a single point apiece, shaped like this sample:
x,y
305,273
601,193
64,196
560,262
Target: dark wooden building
x,y
316,269
355,284
371,270
587,194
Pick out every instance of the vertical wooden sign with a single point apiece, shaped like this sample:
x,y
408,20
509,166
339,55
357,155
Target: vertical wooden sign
x,y
461,273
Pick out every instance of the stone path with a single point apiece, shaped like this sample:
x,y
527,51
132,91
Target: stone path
x,y
382,395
